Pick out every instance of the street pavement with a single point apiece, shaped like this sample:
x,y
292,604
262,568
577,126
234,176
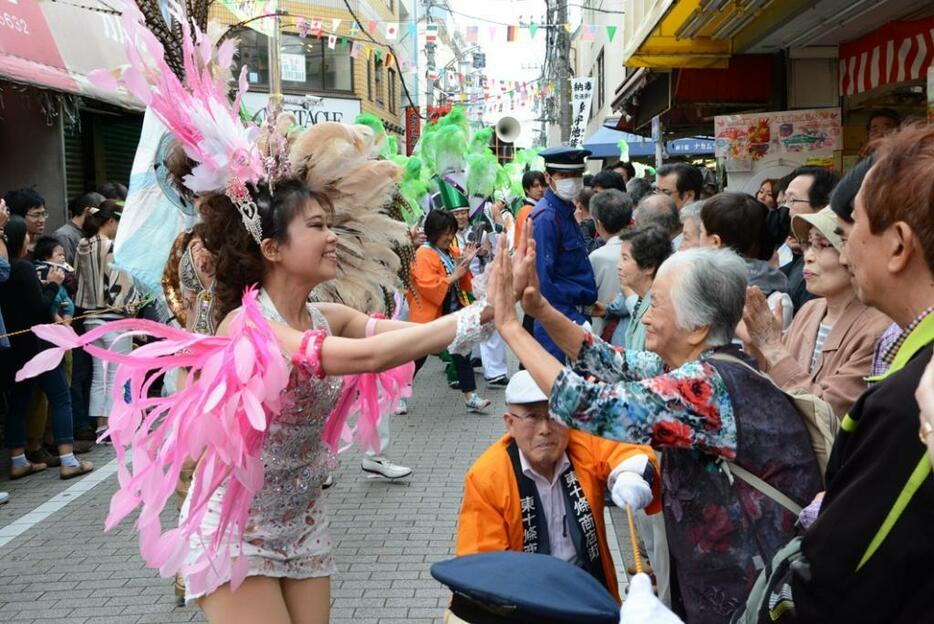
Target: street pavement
x,y
58,565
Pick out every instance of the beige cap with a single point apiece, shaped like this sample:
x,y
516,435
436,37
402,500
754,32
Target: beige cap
x,y
826,223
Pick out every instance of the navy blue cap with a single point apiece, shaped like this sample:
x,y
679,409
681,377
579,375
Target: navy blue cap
x,y
565,158
514,586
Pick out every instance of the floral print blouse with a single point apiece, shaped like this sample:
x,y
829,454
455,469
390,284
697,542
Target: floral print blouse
x,y
632,396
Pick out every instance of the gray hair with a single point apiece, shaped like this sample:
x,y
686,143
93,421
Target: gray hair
x,y
612,208
691,212
638,188
660,210
710,290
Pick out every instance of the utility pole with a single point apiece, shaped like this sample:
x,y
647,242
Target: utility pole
x,y
563,66
275,67
430,50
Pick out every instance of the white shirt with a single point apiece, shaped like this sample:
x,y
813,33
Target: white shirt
x,y
554,508
604,260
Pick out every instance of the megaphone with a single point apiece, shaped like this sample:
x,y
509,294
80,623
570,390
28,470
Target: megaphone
x,y
508,129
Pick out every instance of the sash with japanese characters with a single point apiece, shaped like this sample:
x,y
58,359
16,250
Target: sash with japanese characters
x,y
535,526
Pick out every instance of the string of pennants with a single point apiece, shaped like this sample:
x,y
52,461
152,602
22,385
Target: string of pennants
x,y
513,95
473,34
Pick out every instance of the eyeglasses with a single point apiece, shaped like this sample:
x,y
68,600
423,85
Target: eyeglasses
x,y
533,417
37,215
663,191
788,202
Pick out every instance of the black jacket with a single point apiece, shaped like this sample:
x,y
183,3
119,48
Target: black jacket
x,y
869,466
25,302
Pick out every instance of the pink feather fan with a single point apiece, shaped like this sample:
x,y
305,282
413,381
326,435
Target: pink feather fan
x,y
198,113
231,392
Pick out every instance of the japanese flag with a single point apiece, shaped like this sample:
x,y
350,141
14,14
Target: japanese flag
x,y
332,41
392,30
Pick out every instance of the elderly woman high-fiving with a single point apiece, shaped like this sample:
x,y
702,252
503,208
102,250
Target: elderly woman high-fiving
x,y
691,396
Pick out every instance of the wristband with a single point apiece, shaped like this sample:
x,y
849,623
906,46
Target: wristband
x,y
371,324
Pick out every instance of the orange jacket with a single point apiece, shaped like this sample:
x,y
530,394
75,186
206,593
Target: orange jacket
x,y
430,281
521,217
490,519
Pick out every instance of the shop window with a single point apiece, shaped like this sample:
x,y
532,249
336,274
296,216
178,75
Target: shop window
x,y
378,81
308,64
391,95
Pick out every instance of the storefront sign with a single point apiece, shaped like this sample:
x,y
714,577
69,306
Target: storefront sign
x,y
581,98
742,140
413,129
308,110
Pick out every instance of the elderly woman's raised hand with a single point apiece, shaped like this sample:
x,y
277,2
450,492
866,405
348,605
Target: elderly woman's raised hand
x,y
761,328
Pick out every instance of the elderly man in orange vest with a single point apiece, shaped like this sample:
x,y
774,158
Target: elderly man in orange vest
x,y
540,488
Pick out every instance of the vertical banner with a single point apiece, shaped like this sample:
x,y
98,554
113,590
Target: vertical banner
x,y
581,98
413,129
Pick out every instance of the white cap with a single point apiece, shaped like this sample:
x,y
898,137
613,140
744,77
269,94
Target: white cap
x,y
523,390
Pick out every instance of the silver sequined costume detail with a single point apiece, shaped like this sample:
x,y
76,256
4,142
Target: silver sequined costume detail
x,y
286,535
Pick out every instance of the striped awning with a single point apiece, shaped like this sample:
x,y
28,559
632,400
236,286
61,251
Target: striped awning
x,y
54,45
897,52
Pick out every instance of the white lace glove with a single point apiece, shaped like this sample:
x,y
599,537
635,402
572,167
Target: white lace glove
x,y
470,331
631,489
642,606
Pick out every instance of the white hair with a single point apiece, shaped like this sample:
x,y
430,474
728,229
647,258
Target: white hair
x,y
709,290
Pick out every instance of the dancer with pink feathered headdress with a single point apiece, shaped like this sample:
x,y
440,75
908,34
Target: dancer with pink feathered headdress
x,y
267,400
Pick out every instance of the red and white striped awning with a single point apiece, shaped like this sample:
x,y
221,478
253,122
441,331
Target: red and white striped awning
x,y
896,52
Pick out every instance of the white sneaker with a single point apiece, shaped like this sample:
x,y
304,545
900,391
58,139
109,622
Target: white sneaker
x,y
402,407
4,497
384,467
477,404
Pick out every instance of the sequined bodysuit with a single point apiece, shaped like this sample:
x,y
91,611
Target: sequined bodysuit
x,y
286,535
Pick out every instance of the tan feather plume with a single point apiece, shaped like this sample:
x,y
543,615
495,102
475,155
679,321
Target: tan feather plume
x,y
340,161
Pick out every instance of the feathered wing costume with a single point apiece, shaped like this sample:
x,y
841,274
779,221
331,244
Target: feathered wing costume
x,y
233,383
342,162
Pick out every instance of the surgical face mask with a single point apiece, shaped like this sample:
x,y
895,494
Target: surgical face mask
x,y
568,188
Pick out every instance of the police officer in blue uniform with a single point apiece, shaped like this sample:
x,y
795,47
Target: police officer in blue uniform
x,y
564,269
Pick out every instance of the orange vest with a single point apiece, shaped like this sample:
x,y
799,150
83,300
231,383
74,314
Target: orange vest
x,y
430,281
490,519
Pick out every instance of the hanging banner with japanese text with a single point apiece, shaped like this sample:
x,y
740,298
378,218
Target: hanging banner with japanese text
x,y
581,98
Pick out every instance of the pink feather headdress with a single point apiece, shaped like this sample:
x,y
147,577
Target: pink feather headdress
x,y
198,112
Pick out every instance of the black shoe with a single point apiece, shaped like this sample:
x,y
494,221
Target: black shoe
x,y
476,363
454,385
501,382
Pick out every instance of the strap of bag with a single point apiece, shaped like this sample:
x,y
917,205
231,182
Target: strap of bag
x,y
735,469
918,476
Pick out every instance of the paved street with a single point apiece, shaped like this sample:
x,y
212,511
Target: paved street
x,y
57,564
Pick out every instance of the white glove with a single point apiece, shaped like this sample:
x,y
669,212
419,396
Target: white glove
x,y
641,606
631,489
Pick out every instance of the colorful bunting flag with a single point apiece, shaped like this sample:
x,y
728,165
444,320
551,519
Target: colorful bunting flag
x,y
511,33
611,32
389,59
533,28
356,49
472,32
336,24
392,30
431,33
493,30
588,33
332,41
317,26
354,29
371,26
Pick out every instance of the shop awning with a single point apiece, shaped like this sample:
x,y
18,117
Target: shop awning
x,y
707,33
604,143
897,52
690,97
54,45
